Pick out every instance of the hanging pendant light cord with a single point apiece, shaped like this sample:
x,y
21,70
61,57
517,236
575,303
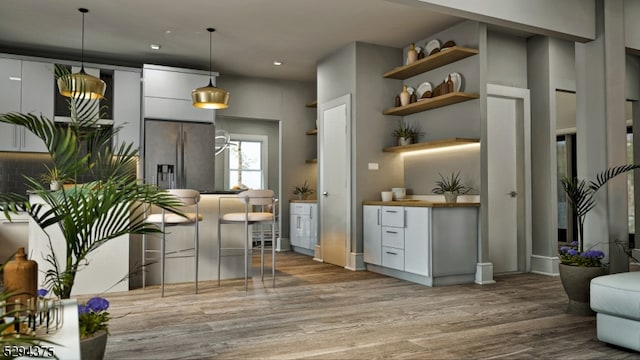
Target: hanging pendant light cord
x,y
83,11
210,30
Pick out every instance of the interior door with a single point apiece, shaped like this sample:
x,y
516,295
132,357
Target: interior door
x,y
334,180
507,190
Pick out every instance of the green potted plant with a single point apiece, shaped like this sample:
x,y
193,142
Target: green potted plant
x,y
577,265
406,134
53,177
451,187
303,191
89,214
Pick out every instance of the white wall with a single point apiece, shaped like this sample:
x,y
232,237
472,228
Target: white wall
x,y
631,24
507,60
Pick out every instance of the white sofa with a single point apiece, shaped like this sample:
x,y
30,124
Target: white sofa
x,y
616,300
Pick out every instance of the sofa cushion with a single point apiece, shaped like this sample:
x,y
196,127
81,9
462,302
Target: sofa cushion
x,y
617,295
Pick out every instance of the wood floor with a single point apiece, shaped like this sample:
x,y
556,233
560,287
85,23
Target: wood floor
x,y
320,311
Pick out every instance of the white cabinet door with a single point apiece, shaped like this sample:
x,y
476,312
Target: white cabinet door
x,y
393,216
300,226
167,94
126,107
10,90
417,240
37,97
372,234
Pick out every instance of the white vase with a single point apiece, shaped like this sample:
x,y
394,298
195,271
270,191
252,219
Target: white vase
x,y
412,54
55,185
450,197
404,141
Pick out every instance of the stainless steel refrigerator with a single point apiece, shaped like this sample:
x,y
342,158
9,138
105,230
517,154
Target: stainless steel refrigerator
x,y
179,154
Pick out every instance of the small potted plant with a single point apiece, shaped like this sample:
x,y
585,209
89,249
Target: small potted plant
x,y
53,177
406,134
93,318
303,191
451,187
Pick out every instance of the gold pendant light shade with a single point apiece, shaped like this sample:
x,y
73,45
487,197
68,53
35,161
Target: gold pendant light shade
x,y
81,84
210,97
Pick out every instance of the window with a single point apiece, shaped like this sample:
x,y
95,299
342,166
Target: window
x,y
246,161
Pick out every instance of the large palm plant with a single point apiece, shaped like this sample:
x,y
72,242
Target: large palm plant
x,y
581,194
89,214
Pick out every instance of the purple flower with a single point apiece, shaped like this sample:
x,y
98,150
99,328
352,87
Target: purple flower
x,y
82,309
564,249
97,304
42,292
574,243
572,252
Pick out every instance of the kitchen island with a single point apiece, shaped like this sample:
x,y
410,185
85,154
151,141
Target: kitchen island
x,y
431,243
116,265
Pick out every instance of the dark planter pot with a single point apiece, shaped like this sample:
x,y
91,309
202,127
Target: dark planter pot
x,y
576,281
93,348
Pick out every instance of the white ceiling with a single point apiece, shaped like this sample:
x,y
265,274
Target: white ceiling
x,y
250,34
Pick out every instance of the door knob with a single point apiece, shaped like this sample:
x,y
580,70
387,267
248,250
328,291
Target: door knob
x,y
324,193
513,194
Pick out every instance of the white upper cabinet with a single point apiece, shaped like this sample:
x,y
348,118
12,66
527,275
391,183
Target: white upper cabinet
x,y
167,94
26,87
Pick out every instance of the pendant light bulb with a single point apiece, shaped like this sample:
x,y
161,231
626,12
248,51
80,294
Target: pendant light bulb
x,y
81,84
210,97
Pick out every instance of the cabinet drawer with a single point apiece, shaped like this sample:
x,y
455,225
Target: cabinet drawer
x,y
393,216
393,258
300,209
393,237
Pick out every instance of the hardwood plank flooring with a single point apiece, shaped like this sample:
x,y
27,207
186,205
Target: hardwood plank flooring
x,y
321,311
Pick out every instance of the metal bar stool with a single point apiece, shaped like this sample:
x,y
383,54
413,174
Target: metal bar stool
x,y
190,199
251,198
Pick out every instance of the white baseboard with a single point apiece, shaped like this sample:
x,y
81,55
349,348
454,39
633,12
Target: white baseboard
x,y
545,265
484,273
318,254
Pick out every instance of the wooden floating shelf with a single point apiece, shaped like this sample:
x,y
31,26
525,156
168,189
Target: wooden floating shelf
x,y
435,144
431,62
431,103
312,161
312,132
312,104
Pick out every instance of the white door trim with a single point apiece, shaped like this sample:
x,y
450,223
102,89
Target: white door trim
x,y
521,94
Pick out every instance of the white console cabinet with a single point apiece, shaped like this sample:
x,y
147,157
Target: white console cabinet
x,y
430,245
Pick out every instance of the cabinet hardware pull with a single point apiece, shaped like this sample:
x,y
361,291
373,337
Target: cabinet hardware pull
x,y
391,232
391,253
378,217
391,211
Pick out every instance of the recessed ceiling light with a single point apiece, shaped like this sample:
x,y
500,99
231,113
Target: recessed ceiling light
x,y
155,46
167,32
277,63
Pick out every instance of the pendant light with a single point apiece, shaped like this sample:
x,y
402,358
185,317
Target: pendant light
x,y
81,84
210,97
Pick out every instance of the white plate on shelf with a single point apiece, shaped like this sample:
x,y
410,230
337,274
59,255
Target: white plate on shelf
x,y
410,90
457,81
424,87
432,45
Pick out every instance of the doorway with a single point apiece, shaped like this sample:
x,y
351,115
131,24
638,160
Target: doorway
x,y
509,178
334,173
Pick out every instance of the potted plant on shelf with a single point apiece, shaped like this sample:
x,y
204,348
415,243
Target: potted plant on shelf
x,y
303,191
93,318
451,187
577,265
406,134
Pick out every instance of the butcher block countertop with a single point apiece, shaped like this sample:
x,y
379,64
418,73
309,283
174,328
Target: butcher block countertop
x,y
420,203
